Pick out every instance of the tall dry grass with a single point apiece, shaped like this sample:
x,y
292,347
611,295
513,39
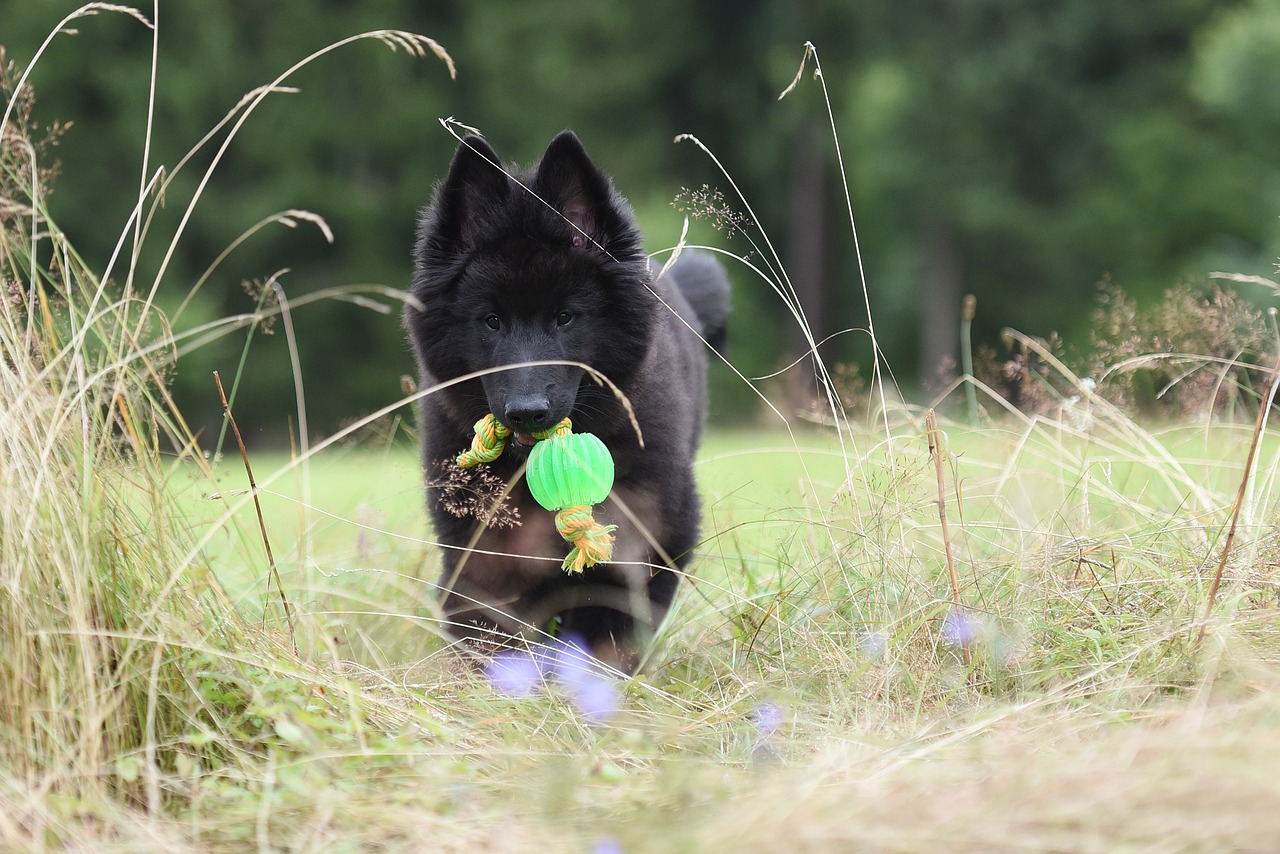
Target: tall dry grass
x,y
98,637
127,674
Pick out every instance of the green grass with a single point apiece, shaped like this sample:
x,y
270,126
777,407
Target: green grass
x,y
1084,561
348,527
154,697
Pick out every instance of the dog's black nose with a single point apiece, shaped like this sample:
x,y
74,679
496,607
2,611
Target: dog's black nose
x,y
528,414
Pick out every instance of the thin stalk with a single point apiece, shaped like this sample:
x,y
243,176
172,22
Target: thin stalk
x,y
257,505
935,451
1263,408
304,431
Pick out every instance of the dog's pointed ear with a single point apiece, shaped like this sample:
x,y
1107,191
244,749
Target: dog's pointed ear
x,y
475,185
569,182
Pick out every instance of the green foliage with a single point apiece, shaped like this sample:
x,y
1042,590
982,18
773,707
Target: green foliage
x,y
1049,146
1237,67
1045,147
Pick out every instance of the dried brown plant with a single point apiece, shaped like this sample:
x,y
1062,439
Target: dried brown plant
x,y
710,204
1199,352
474,492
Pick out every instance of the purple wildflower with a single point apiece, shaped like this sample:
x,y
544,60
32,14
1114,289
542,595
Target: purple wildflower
x,y
960,630
607,845
768,718
514,672
590,687
568,662
571,663
596,698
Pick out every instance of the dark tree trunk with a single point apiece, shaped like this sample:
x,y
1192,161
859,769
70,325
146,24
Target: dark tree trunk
x,y
806,251
940,320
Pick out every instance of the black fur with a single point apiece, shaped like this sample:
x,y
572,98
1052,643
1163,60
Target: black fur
x,y
547,265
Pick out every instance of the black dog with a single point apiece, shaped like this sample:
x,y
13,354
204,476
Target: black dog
x,y
546,264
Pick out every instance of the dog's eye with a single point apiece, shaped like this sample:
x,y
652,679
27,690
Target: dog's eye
x,y
563,318
493,322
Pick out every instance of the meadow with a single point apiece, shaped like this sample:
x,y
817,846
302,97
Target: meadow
x,y
1002,633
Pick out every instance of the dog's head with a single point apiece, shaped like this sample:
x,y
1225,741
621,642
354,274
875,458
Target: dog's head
x,y
542,266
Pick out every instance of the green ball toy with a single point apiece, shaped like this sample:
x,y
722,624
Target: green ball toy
x,y
570,470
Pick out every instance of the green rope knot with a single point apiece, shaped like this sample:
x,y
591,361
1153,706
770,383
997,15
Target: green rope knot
x,y
567,473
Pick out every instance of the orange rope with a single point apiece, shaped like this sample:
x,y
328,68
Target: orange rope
x,y
487,444
592,542
491,439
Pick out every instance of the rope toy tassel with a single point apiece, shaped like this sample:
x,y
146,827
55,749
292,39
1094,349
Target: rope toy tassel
x,y
592,542
488,443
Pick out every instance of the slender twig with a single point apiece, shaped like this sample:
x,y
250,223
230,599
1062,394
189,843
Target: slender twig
x,y
154,802
935,451
1265,405
257,505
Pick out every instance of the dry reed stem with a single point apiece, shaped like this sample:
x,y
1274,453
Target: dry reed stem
x,y
935,451
257,505
1263,406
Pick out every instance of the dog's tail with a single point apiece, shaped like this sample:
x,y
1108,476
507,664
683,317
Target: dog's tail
x,y
702,280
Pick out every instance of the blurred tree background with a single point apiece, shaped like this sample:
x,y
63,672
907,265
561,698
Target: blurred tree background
x,y
1021,152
